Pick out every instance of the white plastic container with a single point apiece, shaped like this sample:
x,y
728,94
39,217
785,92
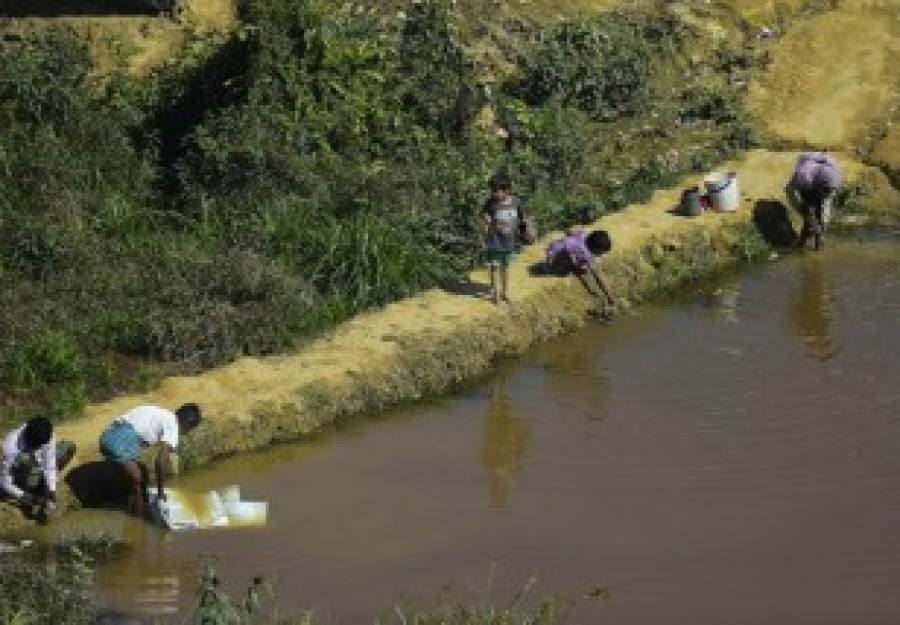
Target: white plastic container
x,y
220,508
230,495
216,514
172,512
248,513
723,191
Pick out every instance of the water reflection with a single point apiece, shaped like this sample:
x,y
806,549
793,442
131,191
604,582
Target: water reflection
x,y
152,579
809,310
726,300
504,444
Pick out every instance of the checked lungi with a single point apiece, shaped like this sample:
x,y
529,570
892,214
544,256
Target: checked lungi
x,y
121,443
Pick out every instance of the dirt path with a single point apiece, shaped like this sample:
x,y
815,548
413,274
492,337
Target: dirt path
x,y
833,78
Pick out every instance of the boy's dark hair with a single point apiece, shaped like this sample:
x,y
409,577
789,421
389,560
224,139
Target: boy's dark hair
x,y
500,182
189,415
598,242
38,432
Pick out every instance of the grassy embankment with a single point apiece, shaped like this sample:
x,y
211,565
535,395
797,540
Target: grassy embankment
x,y
276,178
425,344
230,214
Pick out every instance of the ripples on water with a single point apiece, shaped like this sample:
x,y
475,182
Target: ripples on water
x,y
731,457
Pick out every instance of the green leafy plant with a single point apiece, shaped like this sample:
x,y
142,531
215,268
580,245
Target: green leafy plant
x,y
601,65
215,606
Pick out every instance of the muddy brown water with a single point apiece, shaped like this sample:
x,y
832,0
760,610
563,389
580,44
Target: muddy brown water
x,y
731,457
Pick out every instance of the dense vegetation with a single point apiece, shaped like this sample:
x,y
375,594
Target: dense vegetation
x,y
312,164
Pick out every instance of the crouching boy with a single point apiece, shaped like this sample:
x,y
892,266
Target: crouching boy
x,y
576,252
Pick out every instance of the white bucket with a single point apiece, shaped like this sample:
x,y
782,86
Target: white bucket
x,y
723,191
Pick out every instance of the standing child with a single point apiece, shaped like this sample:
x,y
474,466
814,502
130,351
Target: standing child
x,y
503,212
576,252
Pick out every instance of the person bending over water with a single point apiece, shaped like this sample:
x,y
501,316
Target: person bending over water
x,y
811,190
577,253
146,426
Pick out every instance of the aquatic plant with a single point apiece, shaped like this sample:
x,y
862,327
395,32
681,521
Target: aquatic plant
x,y
215,605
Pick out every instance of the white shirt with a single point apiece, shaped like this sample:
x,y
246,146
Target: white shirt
x,y
45,456
153,424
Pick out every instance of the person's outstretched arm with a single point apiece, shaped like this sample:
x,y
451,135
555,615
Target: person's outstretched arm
x,y
601,283
163,463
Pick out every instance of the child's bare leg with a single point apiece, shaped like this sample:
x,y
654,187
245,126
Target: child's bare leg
x,y
495,287
504,283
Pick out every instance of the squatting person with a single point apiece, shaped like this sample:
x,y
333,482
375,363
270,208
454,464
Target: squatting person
x,y
32,459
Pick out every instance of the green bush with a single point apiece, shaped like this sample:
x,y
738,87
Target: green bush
x,y
33,593
46,79
65,145
602,65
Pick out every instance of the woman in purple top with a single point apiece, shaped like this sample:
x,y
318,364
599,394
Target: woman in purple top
x,y
811,190
576,253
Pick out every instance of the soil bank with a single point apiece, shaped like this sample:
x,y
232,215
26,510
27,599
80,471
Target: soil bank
x,y
426,344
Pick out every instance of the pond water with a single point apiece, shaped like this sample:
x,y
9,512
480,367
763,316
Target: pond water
x,y
730,457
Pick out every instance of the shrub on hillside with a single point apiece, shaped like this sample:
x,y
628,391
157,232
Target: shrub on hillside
x,y
64,146
602,65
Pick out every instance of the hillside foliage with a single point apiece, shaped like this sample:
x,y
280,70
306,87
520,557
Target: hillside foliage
x,y
314,164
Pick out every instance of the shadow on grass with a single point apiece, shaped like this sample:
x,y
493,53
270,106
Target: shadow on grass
x,y
98,484
466,287
773,223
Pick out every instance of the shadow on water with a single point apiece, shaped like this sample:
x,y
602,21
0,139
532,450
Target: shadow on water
x,y
83,8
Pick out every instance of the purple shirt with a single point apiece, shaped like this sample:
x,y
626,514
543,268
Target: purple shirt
x,y
574,245
816,170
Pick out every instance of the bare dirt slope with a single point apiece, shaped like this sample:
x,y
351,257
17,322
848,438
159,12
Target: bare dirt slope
x,y
833,79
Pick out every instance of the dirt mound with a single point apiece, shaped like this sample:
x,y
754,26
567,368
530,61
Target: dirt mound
x,y
832,79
